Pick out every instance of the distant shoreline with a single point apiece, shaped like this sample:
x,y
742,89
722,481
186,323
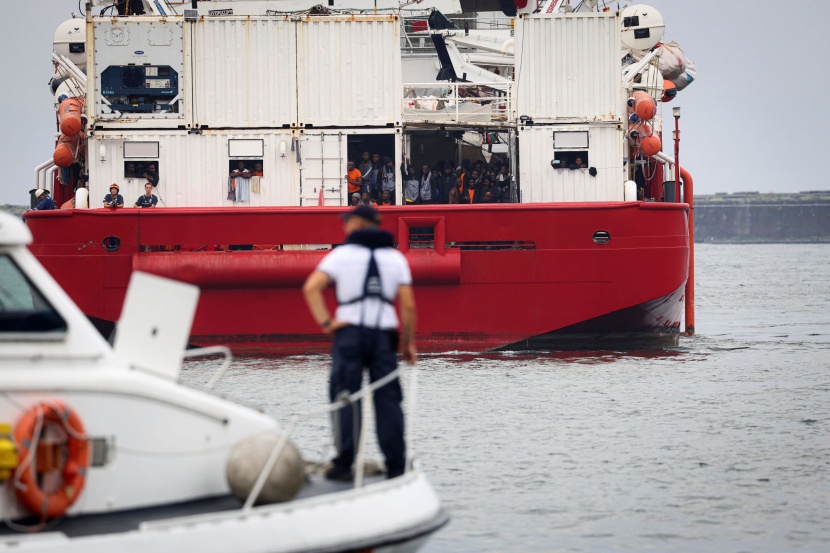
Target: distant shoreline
x,y
769,218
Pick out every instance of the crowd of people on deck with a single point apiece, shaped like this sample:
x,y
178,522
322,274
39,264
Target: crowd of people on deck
x,y
371,181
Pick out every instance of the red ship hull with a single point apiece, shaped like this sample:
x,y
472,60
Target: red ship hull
x,y
528,276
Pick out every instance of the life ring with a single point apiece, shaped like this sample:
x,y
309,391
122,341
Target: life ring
x,y
75,464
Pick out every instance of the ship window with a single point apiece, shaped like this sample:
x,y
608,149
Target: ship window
x,y
252,165
633,21
141,149
76,48
23,309
574,159
134,169
641,33
570,140
422,237
111,243
246,147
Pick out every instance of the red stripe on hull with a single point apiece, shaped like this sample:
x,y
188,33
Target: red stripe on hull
x,y
487,277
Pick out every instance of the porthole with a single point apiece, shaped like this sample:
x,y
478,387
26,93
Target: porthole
x,y
601,237
111,243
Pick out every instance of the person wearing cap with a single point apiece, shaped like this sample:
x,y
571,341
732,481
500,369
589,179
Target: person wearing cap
x,y
114,200
355,199
148,199
369,275
45,203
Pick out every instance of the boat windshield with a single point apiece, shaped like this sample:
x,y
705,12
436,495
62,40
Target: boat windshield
x,y
23,309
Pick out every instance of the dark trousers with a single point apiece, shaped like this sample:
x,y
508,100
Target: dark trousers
x,y
354,349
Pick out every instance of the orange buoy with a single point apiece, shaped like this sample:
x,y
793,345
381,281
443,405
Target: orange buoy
x,y
644,105
651,145
70,112
669,91
66,152
636,133
74,465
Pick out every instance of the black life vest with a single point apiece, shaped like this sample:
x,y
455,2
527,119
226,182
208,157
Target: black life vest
x,y
372,239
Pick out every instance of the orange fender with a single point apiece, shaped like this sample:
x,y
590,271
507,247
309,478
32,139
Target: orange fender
x,y
70,112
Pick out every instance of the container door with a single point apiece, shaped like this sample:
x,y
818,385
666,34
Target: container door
x,y
323,167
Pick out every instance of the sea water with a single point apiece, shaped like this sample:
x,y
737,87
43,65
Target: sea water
x,y
721,444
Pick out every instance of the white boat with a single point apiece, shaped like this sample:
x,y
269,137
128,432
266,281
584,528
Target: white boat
x,y
102,448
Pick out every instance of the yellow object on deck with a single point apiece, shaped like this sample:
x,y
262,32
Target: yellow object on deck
x,y
8,452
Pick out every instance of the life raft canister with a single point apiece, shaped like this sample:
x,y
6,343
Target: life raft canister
x,y
74,466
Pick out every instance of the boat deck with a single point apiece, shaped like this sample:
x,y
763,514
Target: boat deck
x,y
126,521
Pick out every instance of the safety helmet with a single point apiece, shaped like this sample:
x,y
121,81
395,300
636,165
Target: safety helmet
x,y
113,185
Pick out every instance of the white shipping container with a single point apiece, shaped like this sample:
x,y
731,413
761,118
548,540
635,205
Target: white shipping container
x,y
568,68
349,71
137,62
244,72
540,182
193,168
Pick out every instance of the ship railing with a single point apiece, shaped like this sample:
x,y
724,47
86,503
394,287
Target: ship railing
x,y
463,104
415,29
223,351
361,399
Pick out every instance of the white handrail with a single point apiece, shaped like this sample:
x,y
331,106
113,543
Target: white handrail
x,y
365,392
498,96
630,72
72,69
40,168
213,350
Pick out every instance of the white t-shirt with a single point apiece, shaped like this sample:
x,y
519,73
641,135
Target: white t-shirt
x,y
347,266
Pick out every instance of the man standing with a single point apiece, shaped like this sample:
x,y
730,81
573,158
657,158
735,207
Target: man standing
x,y
387,179
353,179
369,275
148,199
365,168
425,185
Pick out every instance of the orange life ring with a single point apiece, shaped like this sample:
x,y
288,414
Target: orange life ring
x,y
29,492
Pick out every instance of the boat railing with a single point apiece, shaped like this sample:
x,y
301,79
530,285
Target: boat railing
x,y
415,30
462,104
416,21
227,359
345,401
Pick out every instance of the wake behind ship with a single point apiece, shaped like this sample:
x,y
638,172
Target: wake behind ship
x,y
248,120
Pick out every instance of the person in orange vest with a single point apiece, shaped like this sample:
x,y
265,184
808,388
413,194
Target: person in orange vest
x,y
354,178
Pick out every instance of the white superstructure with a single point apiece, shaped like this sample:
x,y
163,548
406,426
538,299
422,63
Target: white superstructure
x,y
195,92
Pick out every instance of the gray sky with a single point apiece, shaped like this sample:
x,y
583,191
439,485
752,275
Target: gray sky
x,y
755,119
